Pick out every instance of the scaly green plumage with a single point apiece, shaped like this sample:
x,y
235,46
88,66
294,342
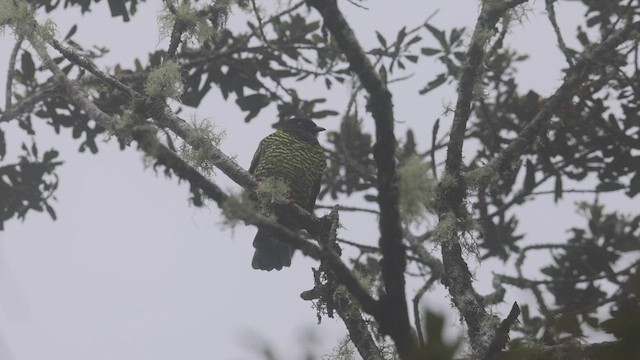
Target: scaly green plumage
x,y
293,155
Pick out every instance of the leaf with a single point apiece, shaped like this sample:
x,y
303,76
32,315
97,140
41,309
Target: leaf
x,y
3,145
50,155
455,35
413,40
383,73
71,32
557,192
34,150
323,113
381,39
51,212
118,8
439,35
252,102
610,186
412,58
401,35
530,176
634,185
439,80
430,51
27,65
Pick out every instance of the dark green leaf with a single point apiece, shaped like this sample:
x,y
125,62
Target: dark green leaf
x,y
71,32
439,35
439,80
401,35
27,65
49,155
3,145
50,210
412,58
413,40
381,39
530,176
557,192
430,51
610,186
253,101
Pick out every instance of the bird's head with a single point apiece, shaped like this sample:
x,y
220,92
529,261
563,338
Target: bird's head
x,y
302,129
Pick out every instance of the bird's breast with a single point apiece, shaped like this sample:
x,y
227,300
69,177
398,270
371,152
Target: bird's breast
x,y
298,163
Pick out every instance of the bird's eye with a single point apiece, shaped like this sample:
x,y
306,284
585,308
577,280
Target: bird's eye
x,y
300,123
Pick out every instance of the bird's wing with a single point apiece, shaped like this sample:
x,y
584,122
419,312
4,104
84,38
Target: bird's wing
x,y
315,190
257,156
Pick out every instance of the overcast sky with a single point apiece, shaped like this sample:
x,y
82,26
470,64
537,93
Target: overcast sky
x,y
131,271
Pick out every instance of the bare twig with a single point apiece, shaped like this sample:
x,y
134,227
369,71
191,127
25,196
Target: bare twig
x,y
260,24
11,73
349,208
552,19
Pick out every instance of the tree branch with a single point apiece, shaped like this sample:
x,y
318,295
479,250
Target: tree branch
x,y
574,78
452,190
396,321
554,23
11,72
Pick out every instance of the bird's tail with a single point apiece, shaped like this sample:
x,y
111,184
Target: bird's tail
x,y
270,253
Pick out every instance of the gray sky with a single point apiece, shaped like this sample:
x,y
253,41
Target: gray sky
x,y
131,271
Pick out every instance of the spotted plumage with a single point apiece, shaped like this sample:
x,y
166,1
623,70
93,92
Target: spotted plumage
x,y
293,155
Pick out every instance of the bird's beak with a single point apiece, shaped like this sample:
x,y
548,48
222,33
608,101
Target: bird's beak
x,y
318,129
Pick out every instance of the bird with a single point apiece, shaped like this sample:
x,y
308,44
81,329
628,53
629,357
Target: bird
x,y
293,155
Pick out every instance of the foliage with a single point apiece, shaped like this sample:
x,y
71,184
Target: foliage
x,y
590,146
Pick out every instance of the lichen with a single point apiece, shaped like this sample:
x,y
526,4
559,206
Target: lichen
x,y
416,190
235,209
198,25
195,149
165,81
121,127
271,191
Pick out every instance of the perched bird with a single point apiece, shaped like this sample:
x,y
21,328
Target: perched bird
x,y
293,155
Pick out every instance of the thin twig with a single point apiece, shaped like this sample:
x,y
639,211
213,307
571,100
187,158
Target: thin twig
x,y
552,18
11,72
260,25
348,208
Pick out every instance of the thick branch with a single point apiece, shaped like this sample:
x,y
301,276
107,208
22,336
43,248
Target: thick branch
x,y
452,190
396,322
358,330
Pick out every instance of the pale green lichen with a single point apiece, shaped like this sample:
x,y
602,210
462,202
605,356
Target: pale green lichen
x,y
18,15
121,127
482,176
447,229
271,191
198,25
165,81
196,150
416,190
237,208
